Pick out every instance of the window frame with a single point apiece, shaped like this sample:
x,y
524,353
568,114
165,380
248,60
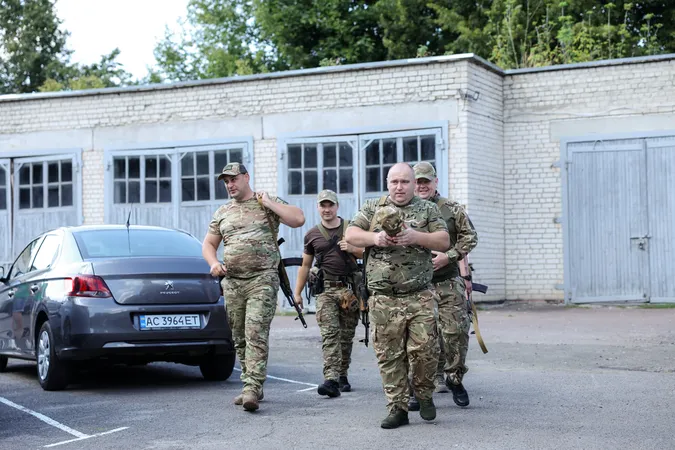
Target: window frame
x,y
173,149
319,142
215,171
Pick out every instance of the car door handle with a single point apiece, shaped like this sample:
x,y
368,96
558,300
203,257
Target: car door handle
x,y
10,293
34,288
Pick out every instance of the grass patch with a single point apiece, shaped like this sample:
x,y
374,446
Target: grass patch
x,y
658,306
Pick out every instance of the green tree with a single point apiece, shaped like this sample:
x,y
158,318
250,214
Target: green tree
x,y
230,37
32,46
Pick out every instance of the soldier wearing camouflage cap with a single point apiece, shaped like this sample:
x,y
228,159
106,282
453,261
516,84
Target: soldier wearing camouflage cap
x,y
453,317
337,312
402,302
249,271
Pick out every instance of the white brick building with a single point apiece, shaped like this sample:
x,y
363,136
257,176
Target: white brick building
x,y
502,141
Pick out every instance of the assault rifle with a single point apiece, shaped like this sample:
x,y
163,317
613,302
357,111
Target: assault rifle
x,y
285,283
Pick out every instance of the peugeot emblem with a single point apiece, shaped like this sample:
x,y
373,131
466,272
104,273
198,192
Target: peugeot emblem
x,y
168,285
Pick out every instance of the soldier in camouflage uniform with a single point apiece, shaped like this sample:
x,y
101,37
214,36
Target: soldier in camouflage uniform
x,y
250,271
337,309
401,231
453,316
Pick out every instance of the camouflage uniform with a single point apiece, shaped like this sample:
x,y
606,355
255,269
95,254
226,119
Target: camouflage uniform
x,y
251,284
337,324
453,316
402,303
338,327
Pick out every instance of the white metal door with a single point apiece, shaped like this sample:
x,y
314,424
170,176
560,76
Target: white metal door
x,y
307,166
47,195
199,192
141,188
6,256
660,240
607,217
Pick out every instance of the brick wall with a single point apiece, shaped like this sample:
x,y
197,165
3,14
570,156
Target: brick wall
x,y
486,178
536,103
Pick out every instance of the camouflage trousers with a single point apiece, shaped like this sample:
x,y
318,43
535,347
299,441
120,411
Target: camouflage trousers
x,y
405,339
337,327
251,304
454,324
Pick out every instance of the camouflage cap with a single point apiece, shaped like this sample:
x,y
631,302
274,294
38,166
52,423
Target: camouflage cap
x,y
390,219
424,170
327,195
232,170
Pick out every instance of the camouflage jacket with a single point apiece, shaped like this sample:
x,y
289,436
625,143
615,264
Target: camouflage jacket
x,y
463,236
400,270
248,242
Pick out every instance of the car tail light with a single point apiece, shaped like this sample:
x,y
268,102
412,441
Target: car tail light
x,y
86,286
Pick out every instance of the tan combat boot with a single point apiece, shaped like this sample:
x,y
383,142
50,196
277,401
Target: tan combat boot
x,y
250,401
239,399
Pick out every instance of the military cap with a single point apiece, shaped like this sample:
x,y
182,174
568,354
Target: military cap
x,y
424,170
327,195
390,219
232,170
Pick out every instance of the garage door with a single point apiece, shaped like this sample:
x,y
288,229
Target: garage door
x,y
620,220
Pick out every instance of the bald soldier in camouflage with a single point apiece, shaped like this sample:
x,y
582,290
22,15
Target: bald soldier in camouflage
x,y
250,271
453,317
337,309
401,231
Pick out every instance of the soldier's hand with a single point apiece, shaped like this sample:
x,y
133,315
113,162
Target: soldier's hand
x,y
439,260
298,300
264,198
382,239
218,270
345,247
407,236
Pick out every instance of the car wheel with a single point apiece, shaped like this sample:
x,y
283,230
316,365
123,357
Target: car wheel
x,y
53,373
217,367
3,363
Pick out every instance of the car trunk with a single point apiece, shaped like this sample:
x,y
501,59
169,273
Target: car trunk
x,y
158,281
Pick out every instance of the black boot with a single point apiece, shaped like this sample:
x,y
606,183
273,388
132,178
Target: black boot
x,y
459,394
329,388
395,419
344,384
413,404
427,409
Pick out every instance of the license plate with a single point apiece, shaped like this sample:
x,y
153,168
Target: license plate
x,y
169,321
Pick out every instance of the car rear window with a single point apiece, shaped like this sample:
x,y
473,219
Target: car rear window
x,y
119,243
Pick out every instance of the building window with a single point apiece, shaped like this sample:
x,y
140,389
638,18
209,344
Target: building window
x,y
52,180
316,166
382,153
142,177
3,188
200,170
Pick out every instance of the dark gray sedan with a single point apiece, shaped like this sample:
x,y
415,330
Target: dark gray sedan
x,y
113,294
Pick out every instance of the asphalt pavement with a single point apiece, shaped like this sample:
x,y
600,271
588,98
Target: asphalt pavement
x,y
554,377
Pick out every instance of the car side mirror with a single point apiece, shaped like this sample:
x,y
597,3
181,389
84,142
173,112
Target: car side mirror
x,y
2,275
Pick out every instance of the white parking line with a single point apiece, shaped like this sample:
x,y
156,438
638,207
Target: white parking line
x,y
87,437
290,381
78,436
44,418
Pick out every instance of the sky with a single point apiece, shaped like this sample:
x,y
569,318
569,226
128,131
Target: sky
x,y
134,26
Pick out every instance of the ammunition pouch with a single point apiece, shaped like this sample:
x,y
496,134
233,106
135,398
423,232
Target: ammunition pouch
x,y
316,281
348,301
